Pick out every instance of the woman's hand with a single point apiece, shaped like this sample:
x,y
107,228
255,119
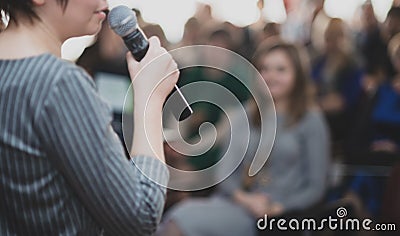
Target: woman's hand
x,y
154,77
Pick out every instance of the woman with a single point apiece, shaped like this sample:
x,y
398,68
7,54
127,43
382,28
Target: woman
x,y
62,169
294,177
376,139
337,77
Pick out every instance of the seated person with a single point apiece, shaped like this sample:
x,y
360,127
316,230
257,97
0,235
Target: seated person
x,y
377,132
378,143
337,77
294,177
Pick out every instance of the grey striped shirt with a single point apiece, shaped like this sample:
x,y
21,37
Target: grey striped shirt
x,y
62,168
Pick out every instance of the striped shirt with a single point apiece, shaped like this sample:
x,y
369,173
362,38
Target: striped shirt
x,y
63,170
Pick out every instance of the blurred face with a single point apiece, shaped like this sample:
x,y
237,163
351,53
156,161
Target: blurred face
x,y
81,17
333,37
278,72
368,17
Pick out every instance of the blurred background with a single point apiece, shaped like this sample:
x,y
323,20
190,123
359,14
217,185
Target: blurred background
x,y
173,15
352,54
353,50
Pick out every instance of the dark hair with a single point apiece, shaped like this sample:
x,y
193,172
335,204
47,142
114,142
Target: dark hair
x,y
300,98
137,12
2,24
394,12
13,8
221,34
271,29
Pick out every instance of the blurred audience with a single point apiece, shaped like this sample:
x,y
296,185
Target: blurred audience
x,y
318,25
378,119
269,30
205,111
295,176
392,23
207,22
107,54
390,202
355,82
372,46
337,77
386,114
297,26
190,33
260,23
375,139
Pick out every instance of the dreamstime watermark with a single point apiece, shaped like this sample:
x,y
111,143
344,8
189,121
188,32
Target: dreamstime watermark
x,y
340,222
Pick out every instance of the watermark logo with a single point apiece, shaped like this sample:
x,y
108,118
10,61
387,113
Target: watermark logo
x,y
340,222
341,212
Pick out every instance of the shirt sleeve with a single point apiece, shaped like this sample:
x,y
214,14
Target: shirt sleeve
x,y
316,149
124,197
234,170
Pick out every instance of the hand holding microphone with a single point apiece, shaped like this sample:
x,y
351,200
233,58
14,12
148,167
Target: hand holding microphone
x,y
123,21
153,81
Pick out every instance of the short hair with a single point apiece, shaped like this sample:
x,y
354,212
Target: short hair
x,y
394,12
2,25
23,7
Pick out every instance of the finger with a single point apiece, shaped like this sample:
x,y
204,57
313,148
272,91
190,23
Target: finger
x,y
173,63
172,66
154,42
175,75
171,77
166,61
131,61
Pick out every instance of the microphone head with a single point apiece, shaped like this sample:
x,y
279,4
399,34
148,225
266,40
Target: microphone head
x,y
122,20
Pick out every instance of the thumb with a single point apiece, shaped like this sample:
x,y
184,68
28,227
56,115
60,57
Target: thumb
x,y
154,41
133,66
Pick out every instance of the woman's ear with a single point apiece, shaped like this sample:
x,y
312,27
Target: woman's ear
x,y
38,2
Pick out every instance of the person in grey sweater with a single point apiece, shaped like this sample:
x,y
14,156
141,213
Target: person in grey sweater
x,y
295,175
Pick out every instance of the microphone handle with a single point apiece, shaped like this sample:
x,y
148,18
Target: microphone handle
x,y
138,45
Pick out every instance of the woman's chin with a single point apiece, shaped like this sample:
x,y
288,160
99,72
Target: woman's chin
x,y
94,28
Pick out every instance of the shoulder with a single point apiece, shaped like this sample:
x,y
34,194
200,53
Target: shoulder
x,y
386,87
48,71
313,120
68,80
72,73
73,88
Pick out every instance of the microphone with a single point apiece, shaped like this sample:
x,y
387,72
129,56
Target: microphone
x,y
123,22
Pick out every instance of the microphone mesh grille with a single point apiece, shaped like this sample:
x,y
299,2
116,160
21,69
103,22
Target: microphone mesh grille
x,y
122,20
